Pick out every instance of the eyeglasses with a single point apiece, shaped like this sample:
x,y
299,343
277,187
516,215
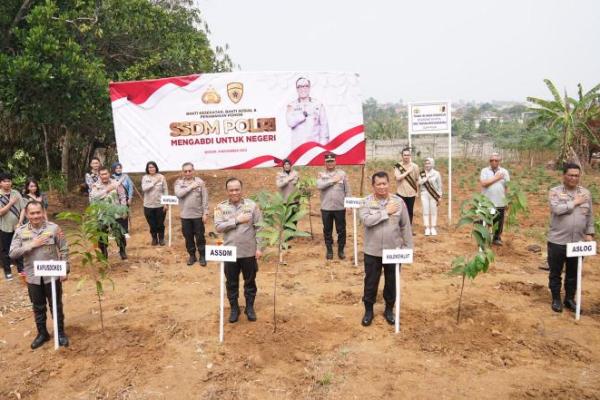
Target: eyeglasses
x,y
494,160
573,176
302,86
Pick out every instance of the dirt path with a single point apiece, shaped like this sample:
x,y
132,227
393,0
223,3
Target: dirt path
x,y
161,336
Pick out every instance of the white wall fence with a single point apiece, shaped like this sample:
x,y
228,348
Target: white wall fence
x,y
436,146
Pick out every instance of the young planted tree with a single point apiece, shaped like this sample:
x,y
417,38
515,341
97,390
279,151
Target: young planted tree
x,y
279,225
306,187
91,227
516,203
479,212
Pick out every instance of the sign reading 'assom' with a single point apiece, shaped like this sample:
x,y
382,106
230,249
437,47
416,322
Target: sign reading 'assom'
x,y
221,253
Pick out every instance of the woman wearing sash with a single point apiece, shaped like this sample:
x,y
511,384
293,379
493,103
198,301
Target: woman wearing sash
x,y
407,177
430,182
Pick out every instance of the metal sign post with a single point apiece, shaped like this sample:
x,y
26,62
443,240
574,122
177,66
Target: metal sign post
x,y
221,254
52,269
580,250
397,256
433,117
354,203
170,201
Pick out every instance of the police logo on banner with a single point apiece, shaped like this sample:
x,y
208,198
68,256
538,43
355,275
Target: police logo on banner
x,y
235,91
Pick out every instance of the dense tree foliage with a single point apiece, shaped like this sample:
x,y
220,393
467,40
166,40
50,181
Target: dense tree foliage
x,y
58,57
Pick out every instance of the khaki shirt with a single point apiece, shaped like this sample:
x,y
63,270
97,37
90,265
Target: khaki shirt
x,y
55,249
333,193
286,183
243,236
193,202
403,188
9,220
154,186
101,193
568,223
383,231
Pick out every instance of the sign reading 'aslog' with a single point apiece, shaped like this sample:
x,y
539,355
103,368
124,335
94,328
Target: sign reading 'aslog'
x,y
581,249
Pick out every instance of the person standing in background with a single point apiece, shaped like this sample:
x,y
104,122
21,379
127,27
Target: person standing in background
x,y
407,177
154,185
11,204
494,180
430,182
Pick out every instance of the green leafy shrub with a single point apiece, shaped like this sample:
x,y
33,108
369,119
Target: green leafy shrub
x,y
91,227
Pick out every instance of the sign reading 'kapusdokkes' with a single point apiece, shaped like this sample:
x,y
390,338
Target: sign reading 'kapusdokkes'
x,y
238,120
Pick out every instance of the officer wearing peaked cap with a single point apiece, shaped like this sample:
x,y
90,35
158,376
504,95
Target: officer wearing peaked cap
x,y
333,185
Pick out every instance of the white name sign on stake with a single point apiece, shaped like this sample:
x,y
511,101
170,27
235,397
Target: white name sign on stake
x,y
353,202
397,256
581,249
50,268
169,200
221,253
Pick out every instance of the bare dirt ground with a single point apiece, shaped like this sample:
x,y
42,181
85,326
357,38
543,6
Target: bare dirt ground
x,y
161,334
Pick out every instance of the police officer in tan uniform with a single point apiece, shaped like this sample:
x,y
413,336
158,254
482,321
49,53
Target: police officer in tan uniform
x,y
238,219
333,185
407,181
193,206
571,220
387,226
41,240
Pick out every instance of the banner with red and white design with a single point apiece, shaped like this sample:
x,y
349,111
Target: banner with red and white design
x,y
238,120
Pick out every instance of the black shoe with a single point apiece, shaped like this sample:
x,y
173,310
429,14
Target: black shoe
x,y
191,259
329,255
202,261
161,242
123,254
249,310
8,276
570,304
341,254
63,340
154,241
368,317
389,314
40,339
497,242
234,315
556,305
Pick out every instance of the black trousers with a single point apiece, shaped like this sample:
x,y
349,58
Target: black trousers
x,y
557,258
499,222
119,237
248,267
5,242
373,266
328,217
193,232
124,222
40,295
410,206
156,220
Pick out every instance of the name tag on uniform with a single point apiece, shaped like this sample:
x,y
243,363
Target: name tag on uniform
x,y
581,249
169,200
353,202
50,268
397,256
221,253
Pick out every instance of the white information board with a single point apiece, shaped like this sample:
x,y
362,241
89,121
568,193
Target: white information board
x,y
169,200
221,253
50,268
397,256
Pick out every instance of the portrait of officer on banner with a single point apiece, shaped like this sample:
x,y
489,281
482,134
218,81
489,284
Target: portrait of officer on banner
x,y
306,117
